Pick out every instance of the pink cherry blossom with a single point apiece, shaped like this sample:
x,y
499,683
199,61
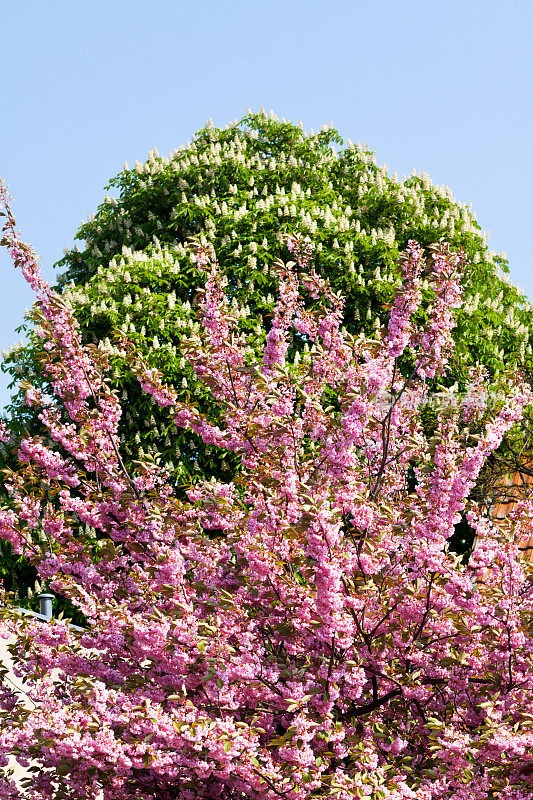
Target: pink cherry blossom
x,y
301,631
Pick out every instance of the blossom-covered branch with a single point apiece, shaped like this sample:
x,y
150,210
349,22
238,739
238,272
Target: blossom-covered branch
x,y
291,633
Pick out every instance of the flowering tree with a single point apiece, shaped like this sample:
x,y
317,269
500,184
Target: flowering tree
x,y
243,189
301,631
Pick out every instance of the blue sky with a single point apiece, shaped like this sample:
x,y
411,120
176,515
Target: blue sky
x,y
439,87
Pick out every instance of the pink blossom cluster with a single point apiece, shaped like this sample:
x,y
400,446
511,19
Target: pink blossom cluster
x,y
400,327
301,631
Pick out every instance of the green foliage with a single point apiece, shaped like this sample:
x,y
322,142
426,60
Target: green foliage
x,y
244,188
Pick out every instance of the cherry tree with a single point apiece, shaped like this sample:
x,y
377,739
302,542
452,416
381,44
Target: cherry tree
x,y
302,631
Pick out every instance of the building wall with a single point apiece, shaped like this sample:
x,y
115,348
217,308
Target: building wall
x,y
5,661
516,487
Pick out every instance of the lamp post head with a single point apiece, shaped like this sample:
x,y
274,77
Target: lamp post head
x,y
45,605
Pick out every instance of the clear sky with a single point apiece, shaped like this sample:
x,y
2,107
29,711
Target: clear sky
x,y
440,87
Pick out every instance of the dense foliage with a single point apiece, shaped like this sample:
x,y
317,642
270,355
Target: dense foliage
x,y
301,631
242,189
